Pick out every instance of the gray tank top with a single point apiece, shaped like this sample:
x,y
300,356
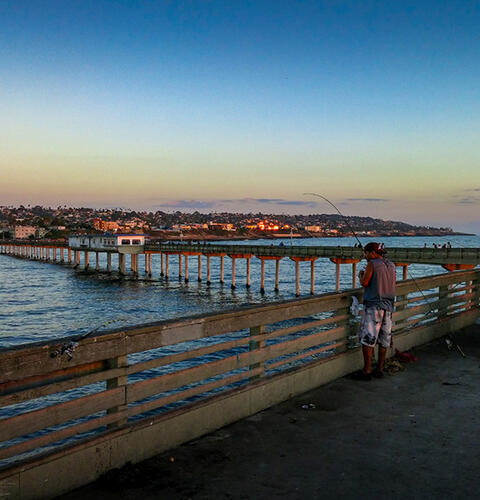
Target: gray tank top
x,y
380,292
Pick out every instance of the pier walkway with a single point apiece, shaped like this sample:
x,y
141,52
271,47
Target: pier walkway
x,y
413,434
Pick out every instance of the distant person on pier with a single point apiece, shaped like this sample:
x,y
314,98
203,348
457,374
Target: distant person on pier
x,y
378,280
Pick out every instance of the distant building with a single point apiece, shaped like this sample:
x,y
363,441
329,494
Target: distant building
x,y
103,225
313,229
221,225
123,243
24,232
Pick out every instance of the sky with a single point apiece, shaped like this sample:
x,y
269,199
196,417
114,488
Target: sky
x,y
244,106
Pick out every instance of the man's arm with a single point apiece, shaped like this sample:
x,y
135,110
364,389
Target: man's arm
x,y
366,276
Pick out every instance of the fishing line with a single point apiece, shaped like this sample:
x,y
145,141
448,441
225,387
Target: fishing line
x,y
340,213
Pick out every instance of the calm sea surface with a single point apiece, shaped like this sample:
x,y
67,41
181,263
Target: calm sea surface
x,y
41,301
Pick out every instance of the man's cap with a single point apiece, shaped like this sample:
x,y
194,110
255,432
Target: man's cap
x,y
374,247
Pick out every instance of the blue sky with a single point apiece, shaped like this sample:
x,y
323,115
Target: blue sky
x,y
244,106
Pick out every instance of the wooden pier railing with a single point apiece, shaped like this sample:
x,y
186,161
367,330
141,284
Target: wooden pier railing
x,y
63,398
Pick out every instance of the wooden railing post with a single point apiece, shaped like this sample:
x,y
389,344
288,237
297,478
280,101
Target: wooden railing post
x,y
255,345
443,302
113,383
353,326
476,285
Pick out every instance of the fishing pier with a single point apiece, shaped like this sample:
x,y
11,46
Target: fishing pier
x,y
78,407
83,253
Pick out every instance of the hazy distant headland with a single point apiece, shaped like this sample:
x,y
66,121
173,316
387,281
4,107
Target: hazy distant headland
x,y
47,222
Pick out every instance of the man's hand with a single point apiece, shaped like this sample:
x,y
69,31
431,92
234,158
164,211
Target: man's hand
x,y
366,274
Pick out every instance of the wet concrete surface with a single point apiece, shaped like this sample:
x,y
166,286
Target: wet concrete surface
x,y
413,434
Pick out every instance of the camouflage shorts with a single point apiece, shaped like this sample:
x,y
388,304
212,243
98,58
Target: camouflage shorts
x,y
376,327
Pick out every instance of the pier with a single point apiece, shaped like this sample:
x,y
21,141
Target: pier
x,y
125,395
79,250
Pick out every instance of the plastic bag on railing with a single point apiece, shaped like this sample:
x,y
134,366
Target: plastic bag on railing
x,y
355,307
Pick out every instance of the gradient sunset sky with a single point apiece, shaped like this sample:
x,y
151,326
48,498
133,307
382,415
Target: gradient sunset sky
x,y
244,106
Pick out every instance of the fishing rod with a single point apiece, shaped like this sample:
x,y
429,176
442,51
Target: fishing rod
x,y
449,340
68,347
340,213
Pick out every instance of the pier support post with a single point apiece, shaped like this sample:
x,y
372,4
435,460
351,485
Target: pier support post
x,y
342,260
297,278
166,265
199,268
69,255
312,277
162,264
262,277
297,261
277,274
235,256
208,270
221,268
337,276
121,264
109,262
233,272
86,261
97,261
186,268
180,272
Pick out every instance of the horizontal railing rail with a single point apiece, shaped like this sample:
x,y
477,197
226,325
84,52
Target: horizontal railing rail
x,y
116,378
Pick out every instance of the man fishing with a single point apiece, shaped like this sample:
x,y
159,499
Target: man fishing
x,y
378,279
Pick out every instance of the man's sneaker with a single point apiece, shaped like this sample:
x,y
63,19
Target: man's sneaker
x,y
361,375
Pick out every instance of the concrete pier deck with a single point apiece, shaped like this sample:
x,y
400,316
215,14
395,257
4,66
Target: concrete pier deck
x,y
413,434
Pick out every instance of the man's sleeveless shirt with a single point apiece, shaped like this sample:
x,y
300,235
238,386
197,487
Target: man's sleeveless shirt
x,y
380,291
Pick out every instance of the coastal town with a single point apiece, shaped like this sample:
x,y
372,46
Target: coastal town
x,y
38,222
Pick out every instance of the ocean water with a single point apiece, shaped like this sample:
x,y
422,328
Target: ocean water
x,y
42,301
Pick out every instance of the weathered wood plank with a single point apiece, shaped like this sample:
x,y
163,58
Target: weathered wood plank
x,y
55,436
149,387
158,403
57,387
193,353
20,364
304,355
60,413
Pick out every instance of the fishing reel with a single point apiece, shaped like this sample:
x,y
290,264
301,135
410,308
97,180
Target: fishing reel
x,y
66,349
